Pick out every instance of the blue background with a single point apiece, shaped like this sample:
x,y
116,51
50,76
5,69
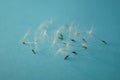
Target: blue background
x,y
18,63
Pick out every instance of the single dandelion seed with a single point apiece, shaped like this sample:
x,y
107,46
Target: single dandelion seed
x,y
84,46
74,52
66,57
60,36
23,43
33,51
104,41
73,40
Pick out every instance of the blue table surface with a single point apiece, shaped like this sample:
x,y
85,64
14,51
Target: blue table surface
x,y
98,63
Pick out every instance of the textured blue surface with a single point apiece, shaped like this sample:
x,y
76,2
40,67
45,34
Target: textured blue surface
x,y
17,61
